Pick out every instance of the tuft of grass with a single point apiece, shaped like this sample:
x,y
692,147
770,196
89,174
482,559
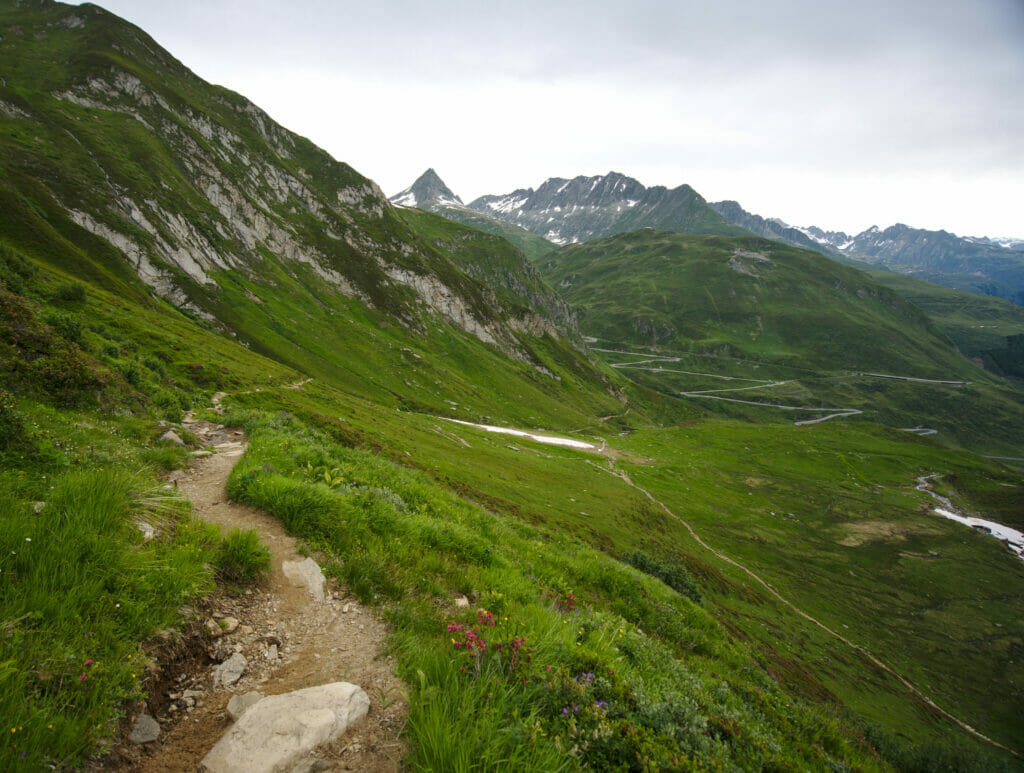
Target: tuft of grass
x,y
242,558
12,427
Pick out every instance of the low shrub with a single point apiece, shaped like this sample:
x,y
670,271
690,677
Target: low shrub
x,y
12,428
674,575
72,292
66,326
131,372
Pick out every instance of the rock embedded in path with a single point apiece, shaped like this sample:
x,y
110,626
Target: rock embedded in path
x,y
230,671
170,436
308,574
145,730
239,704
213,628
277,732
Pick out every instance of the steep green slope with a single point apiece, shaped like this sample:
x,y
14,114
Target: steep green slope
x,y
533,246
120,166
753,328
978,324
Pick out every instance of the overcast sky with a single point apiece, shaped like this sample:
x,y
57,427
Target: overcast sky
x,y
836,114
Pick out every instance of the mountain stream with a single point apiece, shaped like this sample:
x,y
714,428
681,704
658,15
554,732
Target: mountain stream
x,y
1013,538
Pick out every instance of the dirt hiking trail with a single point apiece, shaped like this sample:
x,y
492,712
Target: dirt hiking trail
x,y
289,641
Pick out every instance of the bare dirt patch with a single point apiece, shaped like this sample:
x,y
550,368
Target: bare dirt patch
x,y
861,532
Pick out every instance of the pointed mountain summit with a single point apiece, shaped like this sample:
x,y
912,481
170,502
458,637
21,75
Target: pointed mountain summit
x,y
428,192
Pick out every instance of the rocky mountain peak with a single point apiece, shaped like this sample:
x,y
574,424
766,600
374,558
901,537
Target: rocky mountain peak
x,y
564,211
428,192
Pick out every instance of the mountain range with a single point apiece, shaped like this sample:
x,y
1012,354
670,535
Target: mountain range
x,y
568,211
977,265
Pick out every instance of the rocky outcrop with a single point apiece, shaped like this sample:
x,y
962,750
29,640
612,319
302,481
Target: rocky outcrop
x,y
230,671
247,196
428,192
442,299
145,729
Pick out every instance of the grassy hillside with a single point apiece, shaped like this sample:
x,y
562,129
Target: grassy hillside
x,y
123,168
580,612
749,296
92,381
753,328
753,685
977,324
533,246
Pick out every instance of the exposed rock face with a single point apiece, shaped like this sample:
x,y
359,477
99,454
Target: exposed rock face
x,y
246,188
772,228
428,192
446,302
275,733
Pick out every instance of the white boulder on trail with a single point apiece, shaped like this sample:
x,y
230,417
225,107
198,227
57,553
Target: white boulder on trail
x,y
277,732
